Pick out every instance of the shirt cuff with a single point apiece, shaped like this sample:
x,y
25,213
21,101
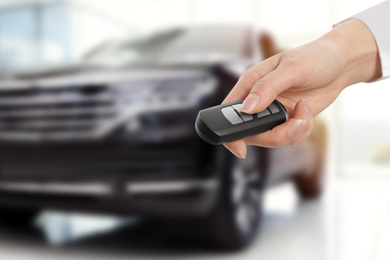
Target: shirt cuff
x,y
377,19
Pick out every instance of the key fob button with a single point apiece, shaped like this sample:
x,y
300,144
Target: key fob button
x,y
265,112
274,109
246,117
237,107
231,115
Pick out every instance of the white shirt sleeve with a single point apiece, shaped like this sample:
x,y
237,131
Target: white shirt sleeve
x,y
377,19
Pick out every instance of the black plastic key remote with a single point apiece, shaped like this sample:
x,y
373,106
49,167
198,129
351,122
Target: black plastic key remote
x,y
225,123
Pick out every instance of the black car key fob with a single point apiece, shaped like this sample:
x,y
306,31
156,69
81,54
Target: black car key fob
x,y
225,123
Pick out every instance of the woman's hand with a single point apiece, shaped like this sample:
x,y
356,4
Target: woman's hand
x,y
306,80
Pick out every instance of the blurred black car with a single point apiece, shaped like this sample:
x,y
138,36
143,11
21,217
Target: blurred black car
x,y
115,133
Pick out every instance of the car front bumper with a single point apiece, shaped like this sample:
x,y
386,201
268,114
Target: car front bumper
x,y
166,198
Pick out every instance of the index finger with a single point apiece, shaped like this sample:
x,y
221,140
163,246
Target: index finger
x,y
250,77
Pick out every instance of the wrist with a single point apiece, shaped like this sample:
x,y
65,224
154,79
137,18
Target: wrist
x,y
358,52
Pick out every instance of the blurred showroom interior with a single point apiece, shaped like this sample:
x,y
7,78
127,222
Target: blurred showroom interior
x,y
352,216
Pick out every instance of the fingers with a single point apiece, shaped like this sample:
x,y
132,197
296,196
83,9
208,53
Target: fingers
x,y
294,131
250,77
238,148
262,83
265,90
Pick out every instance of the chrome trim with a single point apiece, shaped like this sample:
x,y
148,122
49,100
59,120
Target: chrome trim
x,y
168,187
58,188
97,189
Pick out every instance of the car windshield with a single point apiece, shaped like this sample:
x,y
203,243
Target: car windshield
x,y
196,45
133,51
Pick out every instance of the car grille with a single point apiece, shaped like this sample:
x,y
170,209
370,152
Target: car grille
x,y
88,111
54,114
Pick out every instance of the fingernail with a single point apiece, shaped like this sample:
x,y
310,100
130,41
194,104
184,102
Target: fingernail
x,y
306,106
295,127
250,103
237,153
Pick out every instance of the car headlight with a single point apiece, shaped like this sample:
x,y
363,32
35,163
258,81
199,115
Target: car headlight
x,y
164,92
161,106
185,89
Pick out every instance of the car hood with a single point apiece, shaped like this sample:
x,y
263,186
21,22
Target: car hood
x,y
200,46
